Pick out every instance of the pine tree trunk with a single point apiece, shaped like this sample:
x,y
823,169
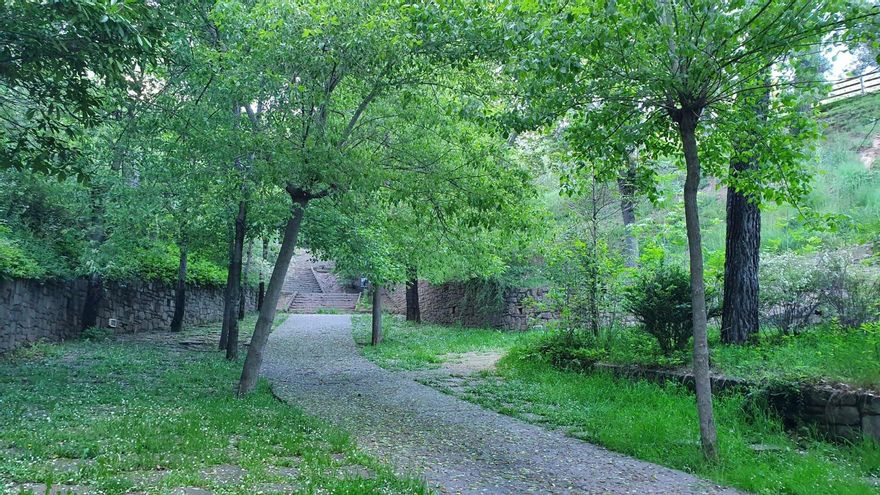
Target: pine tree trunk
x,y
242,293
739,313
626,187
708,436
180,292
251,370
261,293
413,311
376,336
739,316
235,267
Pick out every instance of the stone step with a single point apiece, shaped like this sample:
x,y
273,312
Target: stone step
x,y
313,302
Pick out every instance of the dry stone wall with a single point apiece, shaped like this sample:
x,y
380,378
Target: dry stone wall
x,y
32,310
458,303
838,412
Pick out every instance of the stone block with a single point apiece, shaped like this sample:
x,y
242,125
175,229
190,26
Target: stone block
x,y
843,415
871,404
871,426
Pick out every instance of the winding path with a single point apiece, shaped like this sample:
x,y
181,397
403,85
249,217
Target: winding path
x,y
456,446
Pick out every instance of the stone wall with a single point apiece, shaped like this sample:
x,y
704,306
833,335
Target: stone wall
x,y
839,413
50,310
463,303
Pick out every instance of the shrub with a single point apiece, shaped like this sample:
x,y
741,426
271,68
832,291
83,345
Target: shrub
x,y
160,262
585,279
790,291
796,290
661,300
568,350
16,264
850,290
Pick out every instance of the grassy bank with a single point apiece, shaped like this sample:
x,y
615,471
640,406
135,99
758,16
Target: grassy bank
x,y
154,414
645,420
820,353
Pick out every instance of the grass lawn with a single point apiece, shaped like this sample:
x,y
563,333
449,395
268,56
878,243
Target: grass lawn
x,y
645,420
408,346
146,414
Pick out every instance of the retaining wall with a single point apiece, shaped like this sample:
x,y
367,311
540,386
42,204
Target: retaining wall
x,y
51,310
466,304
839,413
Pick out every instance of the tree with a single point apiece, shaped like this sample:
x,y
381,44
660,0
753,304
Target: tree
x,y
739,314
61,63
324,67
675,69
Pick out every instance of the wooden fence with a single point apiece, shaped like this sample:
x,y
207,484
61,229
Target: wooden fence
x,y
854,86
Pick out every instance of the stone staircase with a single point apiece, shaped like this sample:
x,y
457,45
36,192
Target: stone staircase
x,y
325,302
306,290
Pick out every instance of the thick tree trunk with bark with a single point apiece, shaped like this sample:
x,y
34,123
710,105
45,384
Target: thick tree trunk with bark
x,y
739,316
413,311
94,296
376,336
261,292
687,124
235,268
180,291
242,293
251,370
626,187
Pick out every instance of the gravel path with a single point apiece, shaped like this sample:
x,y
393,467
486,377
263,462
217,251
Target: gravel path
x,y
457,446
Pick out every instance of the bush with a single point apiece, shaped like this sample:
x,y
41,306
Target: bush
x,y
585,280
568,350
797,290
661,301
15,264
790,291
850,290
161,263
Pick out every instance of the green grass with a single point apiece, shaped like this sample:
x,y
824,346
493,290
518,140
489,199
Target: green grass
x,y
642,419
149,416
822,353
659,424
409,346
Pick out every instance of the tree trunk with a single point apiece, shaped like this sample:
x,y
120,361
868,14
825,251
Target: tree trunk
x,y
626,186
261,293
413,311
687,124
242,293
94,296
739,316
235,268
224,332
180,292
376,336
251,370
